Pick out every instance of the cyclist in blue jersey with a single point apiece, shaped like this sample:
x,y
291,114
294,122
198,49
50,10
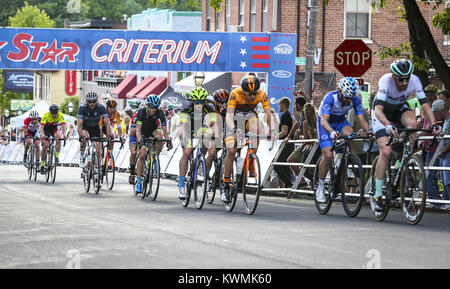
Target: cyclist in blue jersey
x,y
391,110
332,122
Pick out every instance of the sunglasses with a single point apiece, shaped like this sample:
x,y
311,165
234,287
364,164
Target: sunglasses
x,y
400,79
199,101
91,101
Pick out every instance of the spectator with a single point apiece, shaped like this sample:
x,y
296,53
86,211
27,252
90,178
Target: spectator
x,y
444,95
374,151
126,124
286,124
440,108
71,132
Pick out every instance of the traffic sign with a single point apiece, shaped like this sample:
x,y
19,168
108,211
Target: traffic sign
x,y
352,57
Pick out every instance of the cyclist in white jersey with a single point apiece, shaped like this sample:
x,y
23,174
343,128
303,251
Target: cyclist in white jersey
x,y
391,109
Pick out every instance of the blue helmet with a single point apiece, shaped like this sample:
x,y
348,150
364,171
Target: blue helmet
x,y
349,87
153,100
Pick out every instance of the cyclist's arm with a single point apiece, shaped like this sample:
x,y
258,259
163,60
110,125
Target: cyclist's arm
x,y
269,119
324,122
229,118
380,115
80,126
107,123
138,131
364,124
293,130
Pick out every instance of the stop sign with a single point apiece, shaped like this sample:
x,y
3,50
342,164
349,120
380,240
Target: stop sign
x,y
352,57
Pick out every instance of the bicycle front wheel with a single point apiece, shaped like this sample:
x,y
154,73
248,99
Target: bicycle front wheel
x,y
352,185
236,179
380,215
52,167
251,183
110,171
48,165
86,174
323,208
214,181
30,164
199,184
154,178
96,172
413,191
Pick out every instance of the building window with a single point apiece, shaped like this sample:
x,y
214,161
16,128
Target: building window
x,y
208,16
265,15
253,16
241,12
357,18
228,15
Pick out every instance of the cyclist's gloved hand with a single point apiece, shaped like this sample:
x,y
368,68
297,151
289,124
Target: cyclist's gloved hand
x,y
391,129
436,129
371,135
334,135
81,138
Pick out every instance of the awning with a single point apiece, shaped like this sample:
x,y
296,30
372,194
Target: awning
x,y
143,84
213,81
156,87
125,86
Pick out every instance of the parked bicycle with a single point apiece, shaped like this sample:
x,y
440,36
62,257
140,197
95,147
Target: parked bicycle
x,y
151,175
246,178
50,159
407,180
345,178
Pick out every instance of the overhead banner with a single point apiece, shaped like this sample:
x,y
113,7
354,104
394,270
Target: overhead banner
x,y
77,49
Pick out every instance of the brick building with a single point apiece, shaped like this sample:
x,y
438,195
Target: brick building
x,y
340,20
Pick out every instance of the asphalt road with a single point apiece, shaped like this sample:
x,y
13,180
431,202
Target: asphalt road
x,y
60,226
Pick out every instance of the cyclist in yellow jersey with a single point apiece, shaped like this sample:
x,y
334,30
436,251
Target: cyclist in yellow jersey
x,y
49,127
243,101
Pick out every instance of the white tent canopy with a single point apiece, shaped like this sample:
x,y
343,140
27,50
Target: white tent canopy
x,y
41,108
212,79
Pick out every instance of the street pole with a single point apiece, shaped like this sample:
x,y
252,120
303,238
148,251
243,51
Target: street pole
x,y
311,48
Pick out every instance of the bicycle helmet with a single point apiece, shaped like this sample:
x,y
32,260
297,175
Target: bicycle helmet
x,y
91,96
348,87
199,94
153,100
34,114
54,109
221,95
402,67
111,102
250,83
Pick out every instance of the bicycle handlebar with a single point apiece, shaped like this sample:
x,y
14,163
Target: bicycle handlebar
x,y
407,131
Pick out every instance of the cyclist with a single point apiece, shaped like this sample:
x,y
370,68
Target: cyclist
x,y
148,124
89,117
197,110
243,100
390,109
332,122
31,130
221,97
49,127
114,120
133,144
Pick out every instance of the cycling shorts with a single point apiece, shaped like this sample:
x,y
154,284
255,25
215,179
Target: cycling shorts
x,y
324,137
394,117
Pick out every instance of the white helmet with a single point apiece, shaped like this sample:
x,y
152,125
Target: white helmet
x,y
34,114
349,87
91,96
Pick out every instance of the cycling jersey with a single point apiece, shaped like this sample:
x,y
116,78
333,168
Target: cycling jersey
x,y
331,105
392,99
48,120
91,118
150,123
30,126
240,103
187,114
133,120
114,119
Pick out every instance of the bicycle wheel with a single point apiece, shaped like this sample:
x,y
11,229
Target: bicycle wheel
x,y
188,185
30,163
145,179
36,165
323,208
199,184
48,165
96,172
352,185
236,180
413,191
251,184
380,215
86,173
110,171
213,181
53,167
154,178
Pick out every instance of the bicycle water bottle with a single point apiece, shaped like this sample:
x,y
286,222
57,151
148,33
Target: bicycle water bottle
x,y
397,164
239,164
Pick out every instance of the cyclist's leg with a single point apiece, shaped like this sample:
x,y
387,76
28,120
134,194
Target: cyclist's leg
x,y
58,135
159,145
133,149
141,160
385,153
408,120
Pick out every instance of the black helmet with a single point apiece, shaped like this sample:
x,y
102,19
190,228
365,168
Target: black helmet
x,y
54,109
402,67
250,83
111,102
221,95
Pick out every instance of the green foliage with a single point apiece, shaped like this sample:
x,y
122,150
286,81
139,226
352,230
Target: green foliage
x,y
442,21
31,16
64,106
180,5
405,49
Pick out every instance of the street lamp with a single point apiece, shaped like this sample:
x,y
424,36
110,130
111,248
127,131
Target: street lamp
x,y
6,117
19,111
199,78
70,106
106,97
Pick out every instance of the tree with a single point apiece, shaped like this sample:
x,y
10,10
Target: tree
x,y
65,108
31,16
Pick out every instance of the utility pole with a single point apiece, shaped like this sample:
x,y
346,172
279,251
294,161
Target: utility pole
x,y
311,47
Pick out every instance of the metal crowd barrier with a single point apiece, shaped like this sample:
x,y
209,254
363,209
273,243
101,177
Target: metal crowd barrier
x,y
308,164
